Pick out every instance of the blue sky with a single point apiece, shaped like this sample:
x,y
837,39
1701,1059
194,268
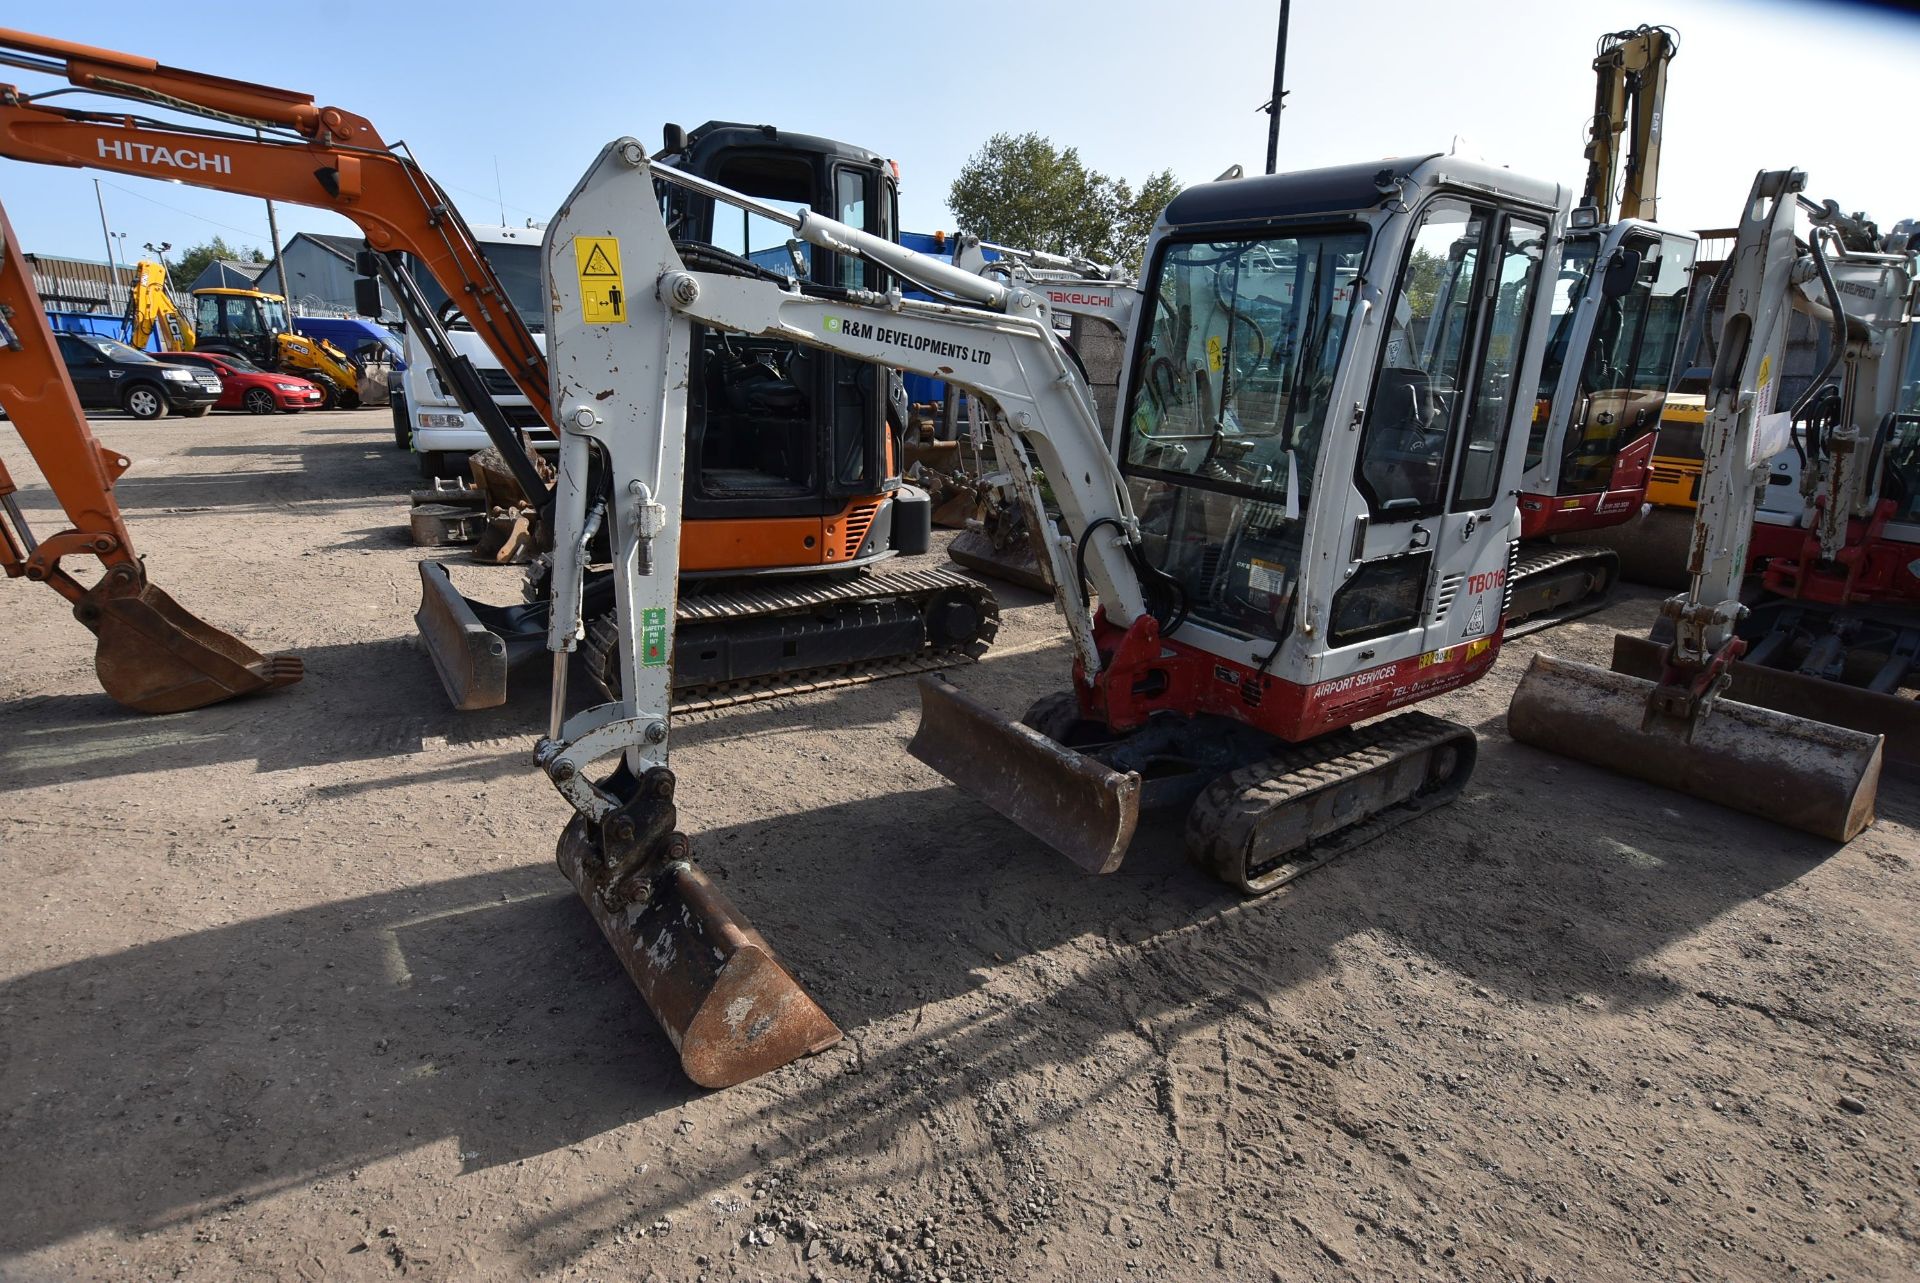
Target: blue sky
x,y
1136,86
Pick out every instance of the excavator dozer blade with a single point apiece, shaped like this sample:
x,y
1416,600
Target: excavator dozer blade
x,y
1806,774
155,656
1080,807
709,978
470,657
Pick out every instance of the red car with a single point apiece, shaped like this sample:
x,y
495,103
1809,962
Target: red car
x,y
245,386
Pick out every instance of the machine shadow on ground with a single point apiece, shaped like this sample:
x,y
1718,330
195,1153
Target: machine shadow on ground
x,y
375,700
486,1009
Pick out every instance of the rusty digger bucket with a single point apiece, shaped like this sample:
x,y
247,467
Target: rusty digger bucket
x,y
1080,807
155,656
730,1008
1806,774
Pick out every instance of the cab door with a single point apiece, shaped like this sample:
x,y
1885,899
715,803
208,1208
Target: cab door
x,y
1428,550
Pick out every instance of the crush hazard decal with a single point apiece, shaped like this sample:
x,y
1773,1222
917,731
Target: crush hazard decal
x,y
603,295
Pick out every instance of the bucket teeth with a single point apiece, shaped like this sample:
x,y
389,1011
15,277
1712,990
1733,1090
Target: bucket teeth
x,y
155,656
727,1004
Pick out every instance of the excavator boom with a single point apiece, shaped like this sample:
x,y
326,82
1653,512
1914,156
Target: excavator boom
x,y
155,656
1630,94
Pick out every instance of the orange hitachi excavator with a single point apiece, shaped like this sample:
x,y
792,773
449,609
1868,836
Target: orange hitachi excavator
x,y
740,639
153,655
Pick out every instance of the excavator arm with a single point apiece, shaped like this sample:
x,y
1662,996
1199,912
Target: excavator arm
x,y
151,310
1677,726
621,338
153,655
1630,93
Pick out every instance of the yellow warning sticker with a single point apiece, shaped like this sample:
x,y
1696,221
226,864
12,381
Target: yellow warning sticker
x,y
1766,369
1213,352
603,294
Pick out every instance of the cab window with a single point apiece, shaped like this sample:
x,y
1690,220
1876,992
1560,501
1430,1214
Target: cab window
x,y
1516,275
1421,381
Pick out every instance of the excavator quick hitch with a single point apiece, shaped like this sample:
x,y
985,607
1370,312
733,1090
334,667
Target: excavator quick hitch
x,y
712,981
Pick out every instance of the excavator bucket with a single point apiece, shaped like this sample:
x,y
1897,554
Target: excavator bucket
x,y
1894,716
1013,564
712,981
1806,774
156,657
1080,807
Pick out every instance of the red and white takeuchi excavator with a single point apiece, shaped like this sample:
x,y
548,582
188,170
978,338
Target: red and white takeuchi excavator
x,y
1739,696
1308,522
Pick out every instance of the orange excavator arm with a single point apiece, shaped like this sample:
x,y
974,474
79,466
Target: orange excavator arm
x,y
333,160
152,654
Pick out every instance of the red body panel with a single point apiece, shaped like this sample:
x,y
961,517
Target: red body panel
x,y
234,383
1546,514
1146,675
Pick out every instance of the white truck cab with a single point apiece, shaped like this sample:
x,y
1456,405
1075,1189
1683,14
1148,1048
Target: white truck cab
x,y
442,434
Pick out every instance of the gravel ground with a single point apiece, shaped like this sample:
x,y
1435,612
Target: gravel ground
x,y
290,988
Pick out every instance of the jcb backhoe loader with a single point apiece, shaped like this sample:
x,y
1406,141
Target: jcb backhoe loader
x,y
1273,555
1737,697
244,323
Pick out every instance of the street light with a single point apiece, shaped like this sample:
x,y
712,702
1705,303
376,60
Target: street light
x,y
160,252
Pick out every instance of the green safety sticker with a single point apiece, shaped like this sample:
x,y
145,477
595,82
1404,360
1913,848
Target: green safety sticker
x,y
653,636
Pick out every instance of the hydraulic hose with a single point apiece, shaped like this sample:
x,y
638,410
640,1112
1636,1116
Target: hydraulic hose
x,y
1839,330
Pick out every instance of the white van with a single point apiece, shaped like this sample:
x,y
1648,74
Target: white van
x,y
442,434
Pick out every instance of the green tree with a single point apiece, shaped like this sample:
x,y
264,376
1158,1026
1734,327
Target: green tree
x,y
194,259
1022,190
1424,274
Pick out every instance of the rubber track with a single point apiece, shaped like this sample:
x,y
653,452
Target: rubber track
x,y
1227,811
755,601
1549,558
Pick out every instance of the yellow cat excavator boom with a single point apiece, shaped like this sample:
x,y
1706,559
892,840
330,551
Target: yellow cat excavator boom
x,y
1630,93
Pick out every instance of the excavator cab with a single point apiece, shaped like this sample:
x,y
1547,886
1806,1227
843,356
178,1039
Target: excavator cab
x,y
1620,299
246,320
783,437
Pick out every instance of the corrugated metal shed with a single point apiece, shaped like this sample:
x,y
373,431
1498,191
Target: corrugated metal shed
x,y
80,284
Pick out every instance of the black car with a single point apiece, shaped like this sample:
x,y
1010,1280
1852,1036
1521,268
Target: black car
x,y
110,375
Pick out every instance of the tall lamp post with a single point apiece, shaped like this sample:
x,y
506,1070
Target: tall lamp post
x,y
1274,105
